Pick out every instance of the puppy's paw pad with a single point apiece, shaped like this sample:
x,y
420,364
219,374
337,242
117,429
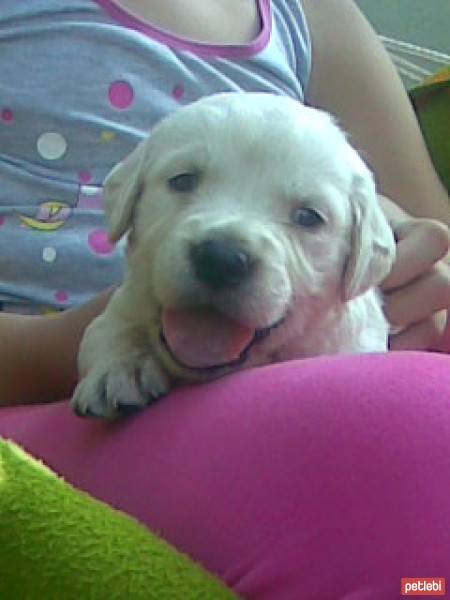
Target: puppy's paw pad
x,y
120,388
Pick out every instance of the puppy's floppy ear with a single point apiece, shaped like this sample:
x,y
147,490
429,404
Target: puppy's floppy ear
x,y
372,250
122,188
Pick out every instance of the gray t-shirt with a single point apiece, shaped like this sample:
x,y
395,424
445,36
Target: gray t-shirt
x,y
81,83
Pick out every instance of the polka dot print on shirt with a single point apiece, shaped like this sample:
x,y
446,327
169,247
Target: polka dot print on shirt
x,y
99,243
120,95
51,145
7,115
61,296
178,92
107,136
84,176
49,254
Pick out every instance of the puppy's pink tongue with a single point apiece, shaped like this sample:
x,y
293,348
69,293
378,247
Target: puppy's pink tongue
x,y
204,337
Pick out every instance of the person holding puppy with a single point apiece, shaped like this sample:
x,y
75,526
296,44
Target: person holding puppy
x,y
47,173
83,81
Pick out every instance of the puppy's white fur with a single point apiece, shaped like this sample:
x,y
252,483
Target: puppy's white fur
x,y
259,158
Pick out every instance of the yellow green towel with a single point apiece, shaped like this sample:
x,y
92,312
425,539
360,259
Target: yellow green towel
x,y
57,543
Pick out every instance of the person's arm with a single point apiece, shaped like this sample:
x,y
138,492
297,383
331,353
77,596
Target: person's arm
x,y
38,354
354,79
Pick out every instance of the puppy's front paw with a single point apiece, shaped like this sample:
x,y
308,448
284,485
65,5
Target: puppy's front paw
x,y
119,387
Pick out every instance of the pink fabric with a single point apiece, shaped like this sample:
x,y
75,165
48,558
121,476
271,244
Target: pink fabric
x,y
321,479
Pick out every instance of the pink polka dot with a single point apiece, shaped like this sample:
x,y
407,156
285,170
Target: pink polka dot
x,y
61,296
7,115
120,94
2,220
99,243
178,92
84,176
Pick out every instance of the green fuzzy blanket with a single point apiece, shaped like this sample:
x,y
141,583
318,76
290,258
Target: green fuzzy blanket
x,y
57,543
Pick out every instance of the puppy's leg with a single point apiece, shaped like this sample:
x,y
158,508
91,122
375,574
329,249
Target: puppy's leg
x,y
119,372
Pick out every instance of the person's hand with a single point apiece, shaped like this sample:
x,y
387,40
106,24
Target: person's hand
x,y
417,291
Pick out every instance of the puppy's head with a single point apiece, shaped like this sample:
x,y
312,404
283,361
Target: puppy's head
x,y
249,216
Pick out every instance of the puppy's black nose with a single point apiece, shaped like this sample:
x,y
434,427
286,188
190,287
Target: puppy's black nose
x,y
220,264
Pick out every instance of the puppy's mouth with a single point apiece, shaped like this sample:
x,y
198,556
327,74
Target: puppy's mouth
x,y
204,339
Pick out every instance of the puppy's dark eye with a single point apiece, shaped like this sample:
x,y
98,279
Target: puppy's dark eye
x,y
183,183
307,217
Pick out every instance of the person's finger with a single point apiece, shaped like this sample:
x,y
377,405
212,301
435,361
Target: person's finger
x,y
421,298
420,336
420,244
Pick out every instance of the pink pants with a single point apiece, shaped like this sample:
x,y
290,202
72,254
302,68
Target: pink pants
x,y
321,479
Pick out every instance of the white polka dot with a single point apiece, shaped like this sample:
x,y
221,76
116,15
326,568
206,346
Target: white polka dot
x,y
51,146
49,254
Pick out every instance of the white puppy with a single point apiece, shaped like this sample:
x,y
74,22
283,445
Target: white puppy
x,y
254,235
